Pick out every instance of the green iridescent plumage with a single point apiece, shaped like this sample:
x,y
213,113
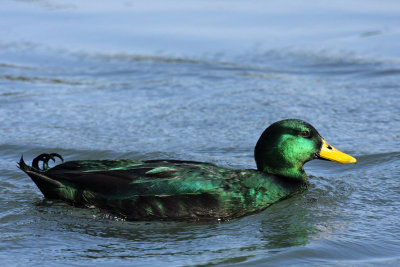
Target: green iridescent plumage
x,y
185,190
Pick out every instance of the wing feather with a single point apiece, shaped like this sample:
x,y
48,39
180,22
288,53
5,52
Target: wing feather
x,y
134,178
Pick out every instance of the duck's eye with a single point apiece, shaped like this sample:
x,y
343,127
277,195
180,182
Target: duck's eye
x,y
305,134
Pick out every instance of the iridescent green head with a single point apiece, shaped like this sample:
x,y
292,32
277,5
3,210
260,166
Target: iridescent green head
x,y
285,146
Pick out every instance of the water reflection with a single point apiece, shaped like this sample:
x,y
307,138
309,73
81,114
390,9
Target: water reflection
x,y
287,225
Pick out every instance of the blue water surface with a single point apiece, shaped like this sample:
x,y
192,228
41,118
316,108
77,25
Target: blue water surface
x,y
201,80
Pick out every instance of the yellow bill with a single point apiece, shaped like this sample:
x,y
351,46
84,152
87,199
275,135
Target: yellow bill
x,y
330,153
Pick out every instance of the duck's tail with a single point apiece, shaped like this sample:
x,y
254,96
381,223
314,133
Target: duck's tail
x,y
45,183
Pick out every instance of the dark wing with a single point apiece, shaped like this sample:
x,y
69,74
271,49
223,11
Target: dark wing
x,y
125,177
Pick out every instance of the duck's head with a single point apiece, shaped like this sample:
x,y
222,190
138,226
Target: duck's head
x,y
286,145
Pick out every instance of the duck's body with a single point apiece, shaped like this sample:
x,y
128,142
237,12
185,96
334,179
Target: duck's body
x,y
162,190
184,190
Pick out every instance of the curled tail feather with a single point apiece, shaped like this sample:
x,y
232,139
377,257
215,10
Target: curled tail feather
x,y
39,177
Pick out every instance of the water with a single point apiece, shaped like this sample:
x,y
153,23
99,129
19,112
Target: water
x,y
201,81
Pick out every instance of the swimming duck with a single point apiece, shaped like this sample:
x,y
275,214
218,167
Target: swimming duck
x,y
188,190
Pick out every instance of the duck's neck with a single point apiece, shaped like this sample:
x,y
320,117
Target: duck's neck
x,y
271,162
294,173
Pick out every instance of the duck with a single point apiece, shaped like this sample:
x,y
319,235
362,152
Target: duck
x,y
180,190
